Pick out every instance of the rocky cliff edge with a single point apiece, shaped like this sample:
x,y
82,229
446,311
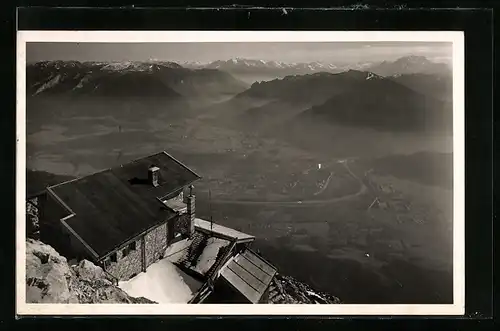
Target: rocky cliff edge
x,y
50,279
288,290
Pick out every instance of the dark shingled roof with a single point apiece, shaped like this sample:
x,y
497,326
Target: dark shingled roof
x,y
115,205
249,274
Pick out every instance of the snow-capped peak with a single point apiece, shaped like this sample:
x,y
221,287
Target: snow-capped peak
x,y
117,66
413,59
290,67
371,75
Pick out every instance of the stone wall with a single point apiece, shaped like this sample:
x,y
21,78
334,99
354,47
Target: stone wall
x,y
156,243
182,224
126,267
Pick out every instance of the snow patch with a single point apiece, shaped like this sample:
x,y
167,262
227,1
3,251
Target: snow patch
x,y
49,84
209,254
117,65
221,230
82,81
162,282
314,294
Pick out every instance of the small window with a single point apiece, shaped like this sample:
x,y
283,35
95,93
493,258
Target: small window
x,y
113,257
107,263
125,251
132,246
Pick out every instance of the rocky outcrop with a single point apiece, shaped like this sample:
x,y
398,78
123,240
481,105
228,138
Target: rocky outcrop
x,y
50,279
32,220
286,289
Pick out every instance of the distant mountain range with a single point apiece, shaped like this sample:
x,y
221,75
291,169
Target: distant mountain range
x,y
251,70
169,79
145,79
308,89
382,103
256,70
439,86
353,98
411,93
252,65
410,65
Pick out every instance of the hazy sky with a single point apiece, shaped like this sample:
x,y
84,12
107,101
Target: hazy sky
x,y
339,52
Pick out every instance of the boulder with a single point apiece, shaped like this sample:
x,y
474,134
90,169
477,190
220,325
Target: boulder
x,y
86,270
48,275
49,279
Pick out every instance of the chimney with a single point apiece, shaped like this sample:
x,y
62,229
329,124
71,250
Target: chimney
x,y
191,208
153,173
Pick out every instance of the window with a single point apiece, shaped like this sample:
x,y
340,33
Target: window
x,y
132,246
107,263
125,251
113,257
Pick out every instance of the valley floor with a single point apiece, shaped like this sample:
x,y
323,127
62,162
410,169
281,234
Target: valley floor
x,y
363,230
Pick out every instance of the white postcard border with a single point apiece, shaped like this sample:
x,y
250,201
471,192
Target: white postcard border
x,y
455,37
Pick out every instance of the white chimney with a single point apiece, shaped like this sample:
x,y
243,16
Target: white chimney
x,y
153,173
